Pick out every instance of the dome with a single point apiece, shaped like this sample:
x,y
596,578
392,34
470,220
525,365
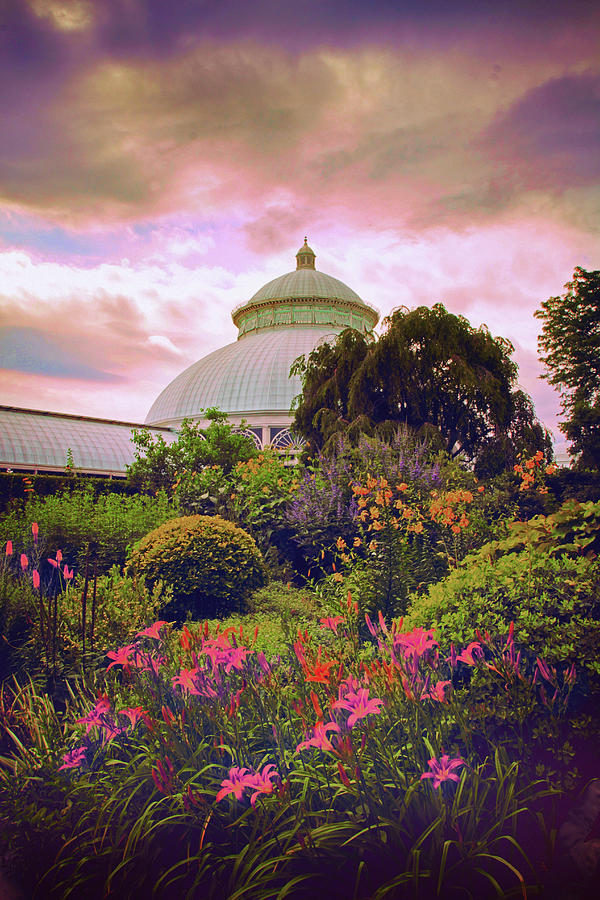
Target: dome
x,y
245,378
306,283
249,378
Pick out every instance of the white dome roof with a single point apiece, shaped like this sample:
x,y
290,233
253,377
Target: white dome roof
x,y
306,283
285,319
249,376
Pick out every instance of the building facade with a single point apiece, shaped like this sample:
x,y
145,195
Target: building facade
x,y
248,379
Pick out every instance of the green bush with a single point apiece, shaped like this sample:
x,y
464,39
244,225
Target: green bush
x,y
123,605
211,564
282,599
17,610
70,521
554,603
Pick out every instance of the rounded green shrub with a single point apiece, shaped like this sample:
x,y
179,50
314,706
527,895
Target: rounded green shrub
x,y
554,603
210,563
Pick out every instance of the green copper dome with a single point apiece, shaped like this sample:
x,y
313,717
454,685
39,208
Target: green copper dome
x,y
250,378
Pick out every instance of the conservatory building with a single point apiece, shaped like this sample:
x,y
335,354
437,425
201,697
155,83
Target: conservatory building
x,y
248,379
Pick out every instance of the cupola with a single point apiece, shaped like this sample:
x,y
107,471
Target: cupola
x,y
305,257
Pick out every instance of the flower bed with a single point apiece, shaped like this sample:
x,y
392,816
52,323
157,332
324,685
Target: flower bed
x,y
375,770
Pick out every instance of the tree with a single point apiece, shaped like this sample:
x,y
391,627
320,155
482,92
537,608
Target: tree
x,y
570,349
429,370
157,464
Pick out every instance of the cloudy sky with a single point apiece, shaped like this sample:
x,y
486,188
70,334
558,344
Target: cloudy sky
x,y
161,159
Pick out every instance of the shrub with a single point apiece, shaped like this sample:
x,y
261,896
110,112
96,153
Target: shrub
x,y
554,603
17,609
70,521
211,564
122,604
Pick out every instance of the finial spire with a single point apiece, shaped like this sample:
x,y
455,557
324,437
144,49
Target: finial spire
x,y
305,257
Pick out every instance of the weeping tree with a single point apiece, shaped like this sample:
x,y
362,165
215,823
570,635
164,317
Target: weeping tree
x,y
429,370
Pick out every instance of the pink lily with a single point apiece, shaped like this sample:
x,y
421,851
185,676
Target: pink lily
x,y
9,548
24,562
152,631
471,653
319,738
34,531
67,573
437,692
96,716
134,714
237,782
35,575
415,642
187,681
120,657
359,705
442,769
73,758
261,782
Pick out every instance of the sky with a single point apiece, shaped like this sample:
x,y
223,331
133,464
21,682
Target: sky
x,y
160,161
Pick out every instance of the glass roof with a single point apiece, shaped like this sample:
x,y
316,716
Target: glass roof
x,y
304,283
248,376
40,440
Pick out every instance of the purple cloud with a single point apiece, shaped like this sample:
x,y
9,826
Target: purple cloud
x,y
550,138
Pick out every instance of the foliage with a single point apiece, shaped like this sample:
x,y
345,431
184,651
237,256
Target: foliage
x,y
429,370
158,463
570,349
553,602
17,606
16,488
211,564
202,770
396,530
573,529
262,488
522,436
116,605
71,521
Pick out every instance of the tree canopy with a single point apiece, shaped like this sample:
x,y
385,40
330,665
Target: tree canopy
x,y
570,349
158,463
430,370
